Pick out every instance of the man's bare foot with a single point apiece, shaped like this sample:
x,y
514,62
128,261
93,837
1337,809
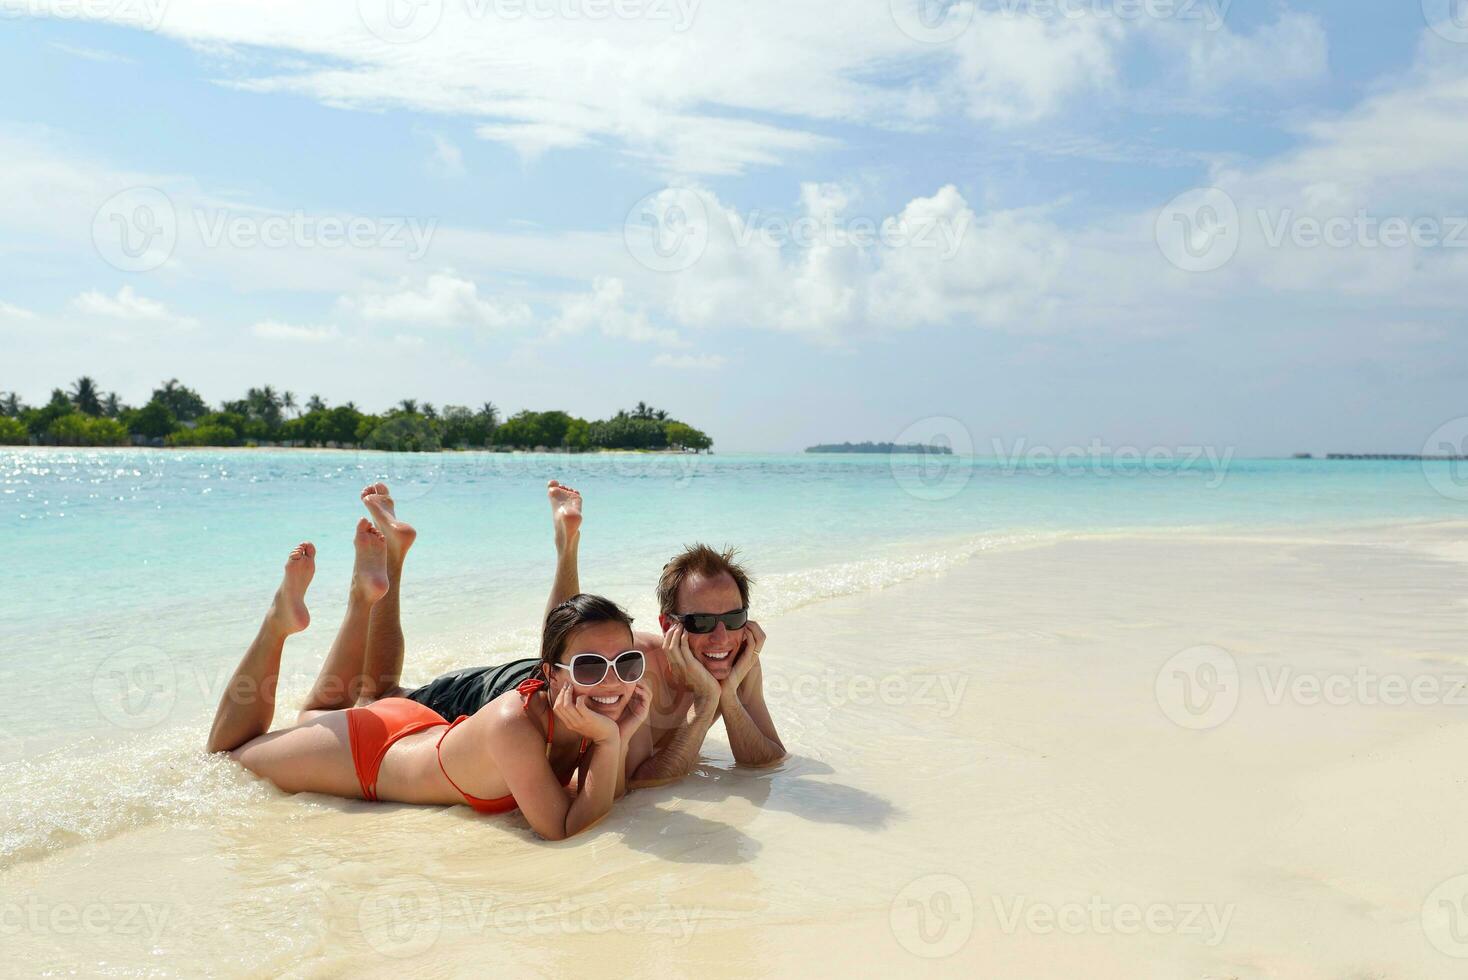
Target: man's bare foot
x,y
288,611
399,536
369,572
565,513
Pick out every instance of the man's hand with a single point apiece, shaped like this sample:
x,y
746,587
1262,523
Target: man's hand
x,y
685,669
746,661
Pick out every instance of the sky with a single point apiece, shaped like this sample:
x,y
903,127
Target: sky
x,y
1056,223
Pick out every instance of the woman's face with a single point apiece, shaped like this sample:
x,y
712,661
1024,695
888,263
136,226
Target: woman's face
x,y
610,696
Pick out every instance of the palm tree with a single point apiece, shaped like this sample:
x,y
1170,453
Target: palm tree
x,y
315,404
641,411
491,413
660,415
111,406
429,412
288,400
408,406
10,405
84,396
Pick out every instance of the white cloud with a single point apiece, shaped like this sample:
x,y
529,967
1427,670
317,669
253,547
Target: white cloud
x,y
10,311
831,270
128,305
705,88
278,330
604,309
1013,69
93,54
445,300
447,160
690,362
1292,50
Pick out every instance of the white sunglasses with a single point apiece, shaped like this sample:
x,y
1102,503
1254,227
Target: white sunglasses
x,y
590,669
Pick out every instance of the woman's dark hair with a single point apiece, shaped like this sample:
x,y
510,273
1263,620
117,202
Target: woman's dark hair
x,y
570,616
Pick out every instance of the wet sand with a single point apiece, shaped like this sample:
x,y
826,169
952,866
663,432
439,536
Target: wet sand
x,y
1168,755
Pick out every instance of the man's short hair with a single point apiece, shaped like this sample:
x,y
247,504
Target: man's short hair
x,y
700,559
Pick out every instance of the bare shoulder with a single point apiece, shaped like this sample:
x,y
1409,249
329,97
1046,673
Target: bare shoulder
x,y
504,720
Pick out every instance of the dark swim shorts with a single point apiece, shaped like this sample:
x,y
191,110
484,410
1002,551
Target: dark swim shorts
x,y
466,691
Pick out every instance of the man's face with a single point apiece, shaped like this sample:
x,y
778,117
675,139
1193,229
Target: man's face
x,y
711,594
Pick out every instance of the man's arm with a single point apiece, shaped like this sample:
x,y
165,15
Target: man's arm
x,y
676,759
747,721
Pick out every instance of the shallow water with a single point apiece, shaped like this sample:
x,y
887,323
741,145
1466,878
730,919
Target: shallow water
x,y
140,575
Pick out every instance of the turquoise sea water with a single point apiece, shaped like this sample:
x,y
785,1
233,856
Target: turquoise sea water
x,y
135,578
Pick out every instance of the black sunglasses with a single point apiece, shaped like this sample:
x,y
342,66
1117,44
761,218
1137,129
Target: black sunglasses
x,y
590,669
708,622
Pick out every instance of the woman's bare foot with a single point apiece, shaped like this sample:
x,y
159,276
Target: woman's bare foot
x,y
565,513
369,572
399,536
288,611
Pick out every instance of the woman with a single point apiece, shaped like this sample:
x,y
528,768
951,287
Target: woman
x,y
585,713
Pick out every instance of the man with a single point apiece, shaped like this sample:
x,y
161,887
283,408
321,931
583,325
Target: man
x,y
703,667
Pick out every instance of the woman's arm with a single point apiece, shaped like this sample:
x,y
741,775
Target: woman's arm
x,y
553,812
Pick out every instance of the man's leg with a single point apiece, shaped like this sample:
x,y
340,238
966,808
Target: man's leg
x,y
566,518
248,705
383,665
340,681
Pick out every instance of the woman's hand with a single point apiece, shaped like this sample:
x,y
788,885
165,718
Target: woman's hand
x,y
576,715
638,705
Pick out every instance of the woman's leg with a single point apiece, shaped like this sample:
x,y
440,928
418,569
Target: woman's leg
x,y
566,519
340,682
315,757
383,665
248,705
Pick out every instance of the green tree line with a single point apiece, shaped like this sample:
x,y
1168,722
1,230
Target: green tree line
x,y
176,415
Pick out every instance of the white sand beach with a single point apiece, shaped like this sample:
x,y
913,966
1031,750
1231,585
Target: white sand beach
x,y
997,771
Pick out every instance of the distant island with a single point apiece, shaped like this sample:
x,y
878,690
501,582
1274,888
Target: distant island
x,y
881,447
177,416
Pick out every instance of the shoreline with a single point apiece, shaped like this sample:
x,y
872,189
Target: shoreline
x,y
1030,704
